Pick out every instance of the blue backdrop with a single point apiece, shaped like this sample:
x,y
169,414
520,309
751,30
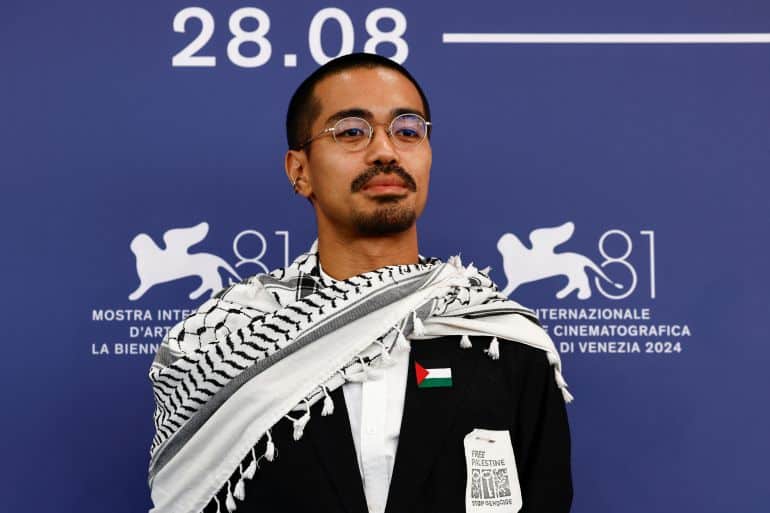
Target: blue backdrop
x,y
652,157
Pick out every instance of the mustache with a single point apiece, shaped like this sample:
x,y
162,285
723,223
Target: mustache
x,y
373,171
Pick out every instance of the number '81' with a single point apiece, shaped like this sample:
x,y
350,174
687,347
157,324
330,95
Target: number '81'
x,y
189,57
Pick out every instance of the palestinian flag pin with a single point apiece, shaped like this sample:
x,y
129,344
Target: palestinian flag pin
x,y
433,374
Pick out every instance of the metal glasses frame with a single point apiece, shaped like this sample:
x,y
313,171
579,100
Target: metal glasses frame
x,y
389,131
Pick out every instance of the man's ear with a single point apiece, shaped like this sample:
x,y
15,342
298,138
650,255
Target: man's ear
x,y
296,166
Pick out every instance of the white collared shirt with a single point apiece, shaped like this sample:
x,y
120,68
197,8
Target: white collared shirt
x,y
375,408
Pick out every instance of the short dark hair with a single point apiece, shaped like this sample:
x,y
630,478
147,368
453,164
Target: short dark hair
x,y
304,107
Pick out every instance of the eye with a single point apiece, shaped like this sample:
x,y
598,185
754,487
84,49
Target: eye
x,y
351,130
407,133
349,133
408,128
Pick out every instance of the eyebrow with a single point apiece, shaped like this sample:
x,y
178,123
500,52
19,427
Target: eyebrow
x,y
367,114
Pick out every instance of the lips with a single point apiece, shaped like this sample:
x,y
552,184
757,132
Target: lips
x,y
390,179
385,181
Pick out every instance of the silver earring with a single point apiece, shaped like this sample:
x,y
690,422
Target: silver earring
x,y
294,186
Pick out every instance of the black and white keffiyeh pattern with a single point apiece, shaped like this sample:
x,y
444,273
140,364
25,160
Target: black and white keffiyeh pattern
x,y
266,349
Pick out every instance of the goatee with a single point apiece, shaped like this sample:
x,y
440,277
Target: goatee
x,y
390,217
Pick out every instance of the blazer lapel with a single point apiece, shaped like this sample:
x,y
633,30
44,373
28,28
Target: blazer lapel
x,y
333,441
428,415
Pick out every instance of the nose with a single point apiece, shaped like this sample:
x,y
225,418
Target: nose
x,y
381,149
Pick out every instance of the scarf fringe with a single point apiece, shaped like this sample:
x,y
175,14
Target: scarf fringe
x,y
328,408
494,349
230,501
252,468
269,447
418,328
401,341
300,423
455,261
240,488
465,342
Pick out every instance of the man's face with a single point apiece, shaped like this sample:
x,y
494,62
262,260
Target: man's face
x,y
343,183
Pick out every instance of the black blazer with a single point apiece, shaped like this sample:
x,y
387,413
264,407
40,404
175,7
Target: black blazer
x,y
319,473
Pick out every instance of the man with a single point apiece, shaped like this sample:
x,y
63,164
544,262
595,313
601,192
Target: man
x,y
448,396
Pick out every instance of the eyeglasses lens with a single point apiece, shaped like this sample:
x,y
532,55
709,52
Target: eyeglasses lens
x,y
352,133
408,130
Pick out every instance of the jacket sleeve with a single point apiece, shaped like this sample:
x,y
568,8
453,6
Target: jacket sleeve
x,y
542,439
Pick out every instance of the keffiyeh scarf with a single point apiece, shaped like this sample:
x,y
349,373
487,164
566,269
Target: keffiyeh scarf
x,y
264,350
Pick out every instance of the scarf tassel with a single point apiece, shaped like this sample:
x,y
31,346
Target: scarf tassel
x,y
299,425
269,448
252,468
455,261
465,342
216,500
240,488
418,328
494,349
401,341
230,501
328,408
470,271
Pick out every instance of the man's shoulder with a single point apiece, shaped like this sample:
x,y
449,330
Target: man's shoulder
x,y
480,344
516,360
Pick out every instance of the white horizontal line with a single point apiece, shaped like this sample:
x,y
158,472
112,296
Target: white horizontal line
x,y
439,373
456,37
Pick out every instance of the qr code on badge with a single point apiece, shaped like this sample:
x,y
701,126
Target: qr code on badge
x,y
476,484
490,484
502,483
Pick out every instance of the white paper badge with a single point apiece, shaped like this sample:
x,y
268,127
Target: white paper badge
x,y
493,482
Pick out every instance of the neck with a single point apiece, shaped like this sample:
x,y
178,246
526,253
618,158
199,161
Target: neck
x,y
344,256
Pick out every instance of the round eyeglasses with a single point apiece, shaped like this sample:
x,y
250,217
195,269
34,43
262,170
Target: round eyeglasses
x,y
354,134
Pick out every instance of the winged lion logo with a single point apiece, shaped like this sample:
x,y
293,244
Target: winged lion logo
x,y
524,265
155,265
